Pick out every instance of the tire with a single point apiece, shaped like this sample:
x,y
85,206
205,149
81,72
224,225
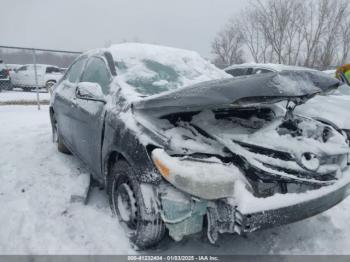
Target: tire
x,y
10,87
57,138
144,227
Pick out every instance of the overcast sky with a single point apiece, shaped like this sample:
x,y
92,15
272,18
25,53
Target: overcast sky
x,y
79,25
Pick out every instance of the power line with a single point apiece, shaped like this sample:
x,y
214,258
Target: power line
x,y
40,49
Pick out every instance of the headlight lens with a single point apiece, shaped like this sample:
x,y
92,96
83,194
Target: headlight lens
x,y
204,179
310,161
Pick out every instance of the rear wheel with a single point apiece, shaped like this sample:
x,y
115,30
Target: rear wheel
x,y
10,86
57,138
143,226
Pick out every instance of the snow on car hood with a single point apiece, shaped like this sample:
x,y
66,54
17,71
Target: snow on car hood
x,y
333,108
238,92
273,135
260,138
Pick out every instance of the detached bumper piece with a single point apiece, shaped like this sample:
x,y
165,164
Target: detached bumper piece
x,y
183,216
276,217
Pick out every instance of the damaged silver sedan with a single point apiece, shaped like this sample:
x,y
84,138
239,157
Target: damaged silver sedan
x,y
178,150
240,163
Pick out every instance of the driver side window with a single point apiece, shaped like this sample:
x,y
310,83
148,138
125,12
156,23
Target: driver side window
x,y
22,68
75,70
97,72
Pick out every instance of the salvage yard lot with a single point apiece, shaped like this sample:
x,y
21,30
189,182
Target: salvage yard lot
x,y
37,216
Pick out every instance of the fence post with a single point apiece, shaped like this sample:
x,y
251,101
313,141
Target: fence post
x,y
36,79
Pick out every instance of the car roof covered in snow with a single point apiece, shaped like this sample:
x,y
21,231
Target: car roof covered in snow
x,y
270,66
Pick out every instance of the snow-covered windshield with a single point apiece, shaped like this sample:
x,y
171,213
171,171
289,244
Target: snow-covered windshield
x,y
150,69
153,78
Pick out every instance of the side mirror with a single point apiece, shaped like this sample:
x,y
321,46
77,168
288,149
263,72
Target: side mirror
x,y
90,91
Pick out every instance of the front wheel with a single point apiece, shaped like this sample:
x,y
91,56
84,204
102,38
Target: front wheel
x,y
143,226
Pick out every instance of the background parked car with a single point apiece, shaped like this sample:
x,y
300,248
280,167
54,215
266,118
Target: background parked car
x,y
24,77
332,108
4,76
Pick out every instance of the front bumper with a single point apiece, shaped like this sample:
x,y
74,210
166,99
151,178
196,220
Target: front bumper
x,y
275,217
242,213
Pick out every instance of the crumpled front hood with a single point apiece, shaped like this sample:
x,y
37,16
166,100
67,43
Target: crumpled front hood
x,y
239,92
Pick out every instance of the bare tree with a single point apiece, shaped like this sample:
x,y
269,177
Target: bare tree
x,y
313,33
254,38
278,20
322,24
227,47
344,42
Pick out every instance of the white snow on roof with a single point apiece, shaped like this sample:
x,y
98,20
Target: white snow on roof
x,y
269,66
330,72
41,65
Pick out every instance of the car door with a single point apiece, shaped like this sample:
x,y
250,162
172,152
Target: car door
x,y
64,102
89,125
28,77
18,75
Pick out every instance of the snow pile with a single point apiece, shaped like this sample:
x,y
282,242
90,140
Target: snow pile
x,y
37,182
18,97
151,69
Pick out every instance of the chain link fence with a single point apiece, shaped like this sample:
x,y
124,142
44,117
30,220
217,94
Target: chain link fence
x,y
28,74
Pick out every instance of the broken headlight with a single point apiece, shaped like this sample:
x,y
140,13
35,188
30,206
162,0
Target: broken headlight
x,y
207,179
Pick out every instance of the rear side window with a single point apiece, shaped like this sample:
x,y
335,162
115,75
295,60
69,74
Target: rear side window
x,y
75,71
22,68
238,72
261,71
97,72
51,69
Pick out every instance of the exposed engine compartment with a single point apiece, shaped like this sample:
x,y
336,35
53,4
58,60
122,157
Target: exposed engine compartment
x,y
278,153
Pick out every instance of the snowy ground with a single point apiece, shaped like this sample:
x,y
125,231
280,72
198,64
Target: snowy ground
x,y
36,215
19,96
